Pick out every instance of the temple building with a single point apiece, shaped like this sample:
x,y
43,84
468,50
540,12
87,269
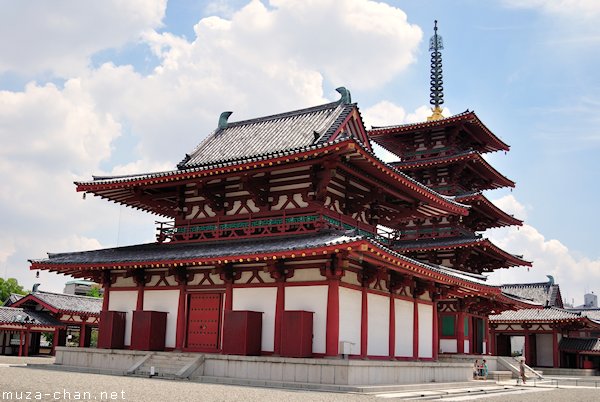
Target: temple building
x,y
547,335
65,318
286,235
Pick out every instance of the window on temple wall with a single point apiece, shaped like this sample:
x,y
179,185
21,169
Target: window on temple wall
x,y
448,323
466,325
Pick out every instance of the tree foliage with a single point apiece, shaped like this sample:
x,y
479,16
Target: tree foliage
x,y
94,292
8,286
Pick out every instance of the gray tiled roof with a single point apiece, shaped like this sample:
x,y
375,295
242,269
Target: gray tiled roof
x,y
12,299
295,129
10,315
535,315
72,303
593,314
544,293
580,344
182,251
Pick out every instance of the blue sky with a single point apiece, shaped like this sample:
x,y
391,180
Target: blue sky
x,y
108,88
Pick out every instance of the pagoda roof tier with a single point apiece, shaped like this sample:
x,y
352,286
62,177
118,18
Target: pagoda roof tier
x,y
143,190
484,214
543,316
397,138
475,244
174,255
472,160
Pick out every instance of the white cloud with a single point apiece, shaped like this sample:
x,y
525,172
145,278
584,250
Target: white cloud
x,y
60,36
575,274
386,113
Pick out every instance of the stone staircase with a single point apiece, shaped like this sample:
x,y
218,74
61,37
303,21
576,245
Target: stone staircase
x,y
512,364
167,365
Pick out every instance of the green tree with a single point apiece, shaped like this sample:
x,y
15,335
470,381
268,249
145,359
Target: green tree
x,y
9,286
94,292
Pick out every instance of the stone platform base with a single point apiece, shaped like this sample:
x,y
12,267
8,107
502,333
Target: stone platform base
x,y
269,368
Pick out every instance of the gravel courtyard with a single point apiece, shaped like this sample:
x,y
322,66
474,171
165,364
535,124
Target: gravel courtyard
x,y
23,383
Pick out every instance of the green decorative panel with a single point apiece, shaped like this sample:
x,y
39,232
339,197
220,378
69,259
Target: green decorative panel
x,y
466,326
448,322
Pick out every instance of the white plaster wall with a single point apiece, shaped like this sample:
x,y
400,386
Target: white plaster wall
x,y
259,299
164,300
448,346
378,319
425,330
544,351
305,275
123,282
310,298
466,346
124,301
350,309
404,327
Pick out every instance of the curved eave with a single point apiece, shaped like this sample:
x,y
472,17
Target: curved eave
x,y
584,320
485,246
390,259
119,189
479,201
476,128
477,163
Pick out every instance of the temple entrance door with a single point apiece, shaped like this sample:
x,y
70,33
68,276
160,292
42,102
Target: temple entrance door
x,y
477,336
503,345
204,322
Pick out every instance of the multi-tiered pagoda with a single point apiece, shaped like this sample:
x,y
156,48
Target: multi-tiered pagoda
x,y
287,236
445,154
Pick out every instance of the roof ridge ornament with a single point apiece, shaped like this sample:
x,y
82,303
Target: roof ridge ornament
x,y
346,98
223,120
437,89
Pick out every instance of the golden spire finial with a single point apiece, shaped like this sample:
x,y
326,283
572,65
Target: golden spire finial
x,y
437,89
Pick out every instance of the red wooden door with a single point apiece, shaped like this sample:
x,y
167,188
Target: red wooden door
x,y
204,322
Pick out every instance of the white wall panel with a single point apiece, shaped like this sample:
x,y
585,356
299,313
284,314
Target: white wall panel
x,y
350,309
310,298
404,327
259,299
378,318
425,330
164,300
126,301
448,346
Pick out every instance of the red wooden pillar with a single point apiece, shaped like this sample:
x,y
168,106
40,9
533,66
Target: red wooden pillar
x,y
436,336
555,352
82,335
486,328
332,332
140,297
20,343
106,285
460,332
228,296
54,341
279,308
364,324
392,344
180,332
415,329
493,350
27,340
526,347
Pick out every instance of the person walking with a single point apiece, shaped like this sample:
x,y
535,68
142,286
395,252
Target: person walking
x,y
522,371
